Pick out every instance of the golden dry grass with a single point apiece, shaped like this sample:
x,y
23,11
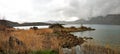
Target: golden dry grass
x,y
36,39
96,48
43,39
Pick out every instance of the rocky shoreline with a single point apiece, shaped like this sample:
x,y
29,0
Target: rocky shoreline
x,y
53,38
60,28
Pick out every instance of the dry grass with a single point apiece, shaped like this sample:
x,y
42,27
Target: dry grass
x,y
40,39
43,39
36,39
99,49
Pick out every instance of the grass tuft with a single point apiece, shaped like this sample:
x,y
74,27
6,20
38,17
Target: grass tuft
x,y
44,52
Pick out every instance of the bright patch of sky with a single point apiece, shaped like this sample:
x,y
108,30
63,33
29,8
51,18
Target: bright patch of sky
x,y
56,10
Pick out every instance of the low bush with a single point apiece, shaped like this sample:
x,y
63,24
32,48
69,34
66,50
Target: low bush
x,y
44,52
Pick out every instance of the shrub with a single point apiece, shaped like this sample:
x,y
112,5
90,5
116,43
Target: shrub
x,y
44,52
34,28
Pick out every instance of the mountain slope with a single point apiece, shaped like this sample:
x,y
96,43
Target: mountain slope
x,y
10,23
34,24
109,19
113,19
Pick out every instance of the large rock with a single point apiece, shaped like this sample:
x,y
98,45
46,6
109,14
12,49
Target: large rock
x,y
13,46
68,40
13,42
17,45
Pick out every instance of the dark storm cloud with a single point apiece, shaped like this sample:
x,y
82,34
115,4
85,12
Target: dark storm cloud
x,y
90,8
66,10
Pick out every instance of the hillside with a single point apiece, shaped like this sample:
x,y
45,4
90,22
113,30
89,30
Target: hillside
x,y
34,24
111,19
10,23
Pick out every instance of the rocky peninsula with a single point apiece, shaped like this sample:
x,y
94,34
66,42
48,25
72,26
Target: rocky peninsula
x,y
19,41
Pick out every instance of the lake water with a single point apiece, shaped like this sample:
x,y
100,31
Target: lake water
x,y
28,27
105,34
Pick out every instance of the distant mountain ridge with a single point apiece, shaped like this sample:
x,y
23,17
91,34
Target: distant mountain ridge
x,y
111,19
10,23
34,24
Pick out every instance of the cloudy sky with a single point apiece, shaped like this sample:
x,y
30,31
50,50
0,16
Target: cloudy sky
x,y
64,10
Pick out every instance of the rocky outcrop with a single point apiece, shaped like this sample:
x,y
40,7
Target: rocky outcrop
x,y
86,28
67,40
13,46
59,28
56,26
13,42
34,28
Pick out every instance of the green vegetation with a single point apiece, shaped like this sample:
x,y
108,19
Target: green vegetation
x,y
44,52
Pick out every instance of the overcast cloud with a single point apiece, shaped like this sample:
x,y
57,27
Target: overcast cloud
x,y
64,10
